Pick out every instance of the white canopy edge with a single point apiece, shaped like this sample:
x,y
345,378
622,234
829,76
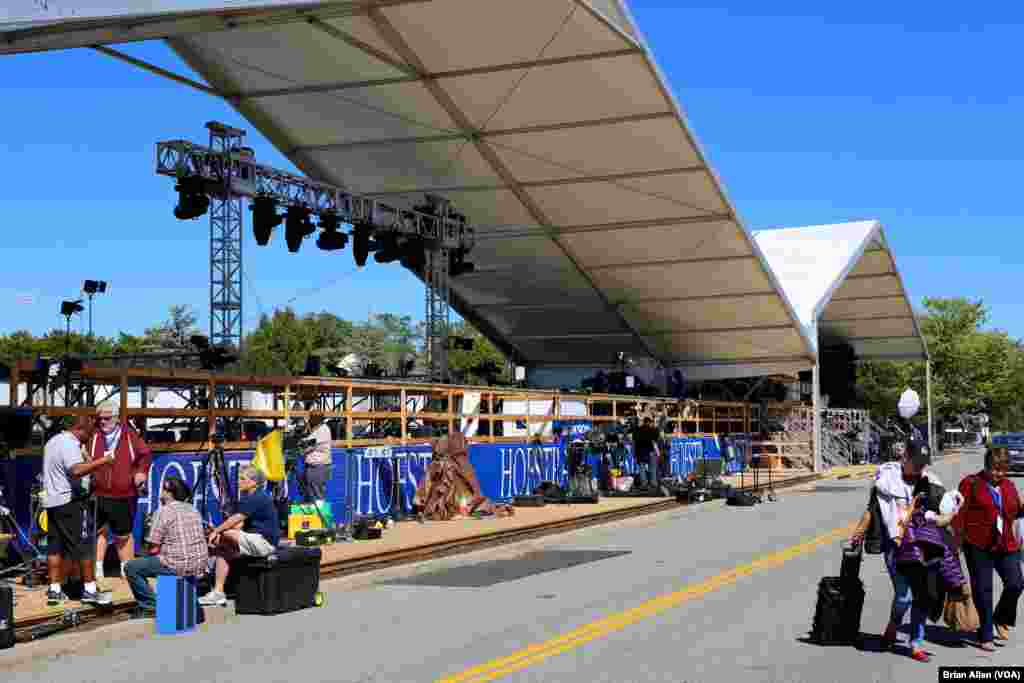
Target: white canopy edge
x,y
846,287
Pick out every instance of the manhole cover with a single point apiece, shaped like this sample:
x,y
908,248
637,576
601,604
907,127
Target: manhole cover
x,y
491,573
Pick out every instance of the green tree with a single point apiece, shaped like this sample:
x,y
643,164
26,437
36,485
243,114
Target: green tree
x,y
279,345
174,332
462,363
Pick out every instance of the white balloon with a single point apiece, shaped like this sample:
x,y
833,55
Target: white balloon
x,y
909,404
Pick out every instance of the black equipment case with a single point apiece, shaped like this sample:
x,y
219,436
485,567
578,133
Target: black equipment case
x,y
840,603
286,581
6,617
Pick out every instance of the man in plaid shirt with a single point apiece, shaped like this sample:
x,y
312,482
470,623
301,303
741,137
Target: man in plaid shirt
x,y
177,546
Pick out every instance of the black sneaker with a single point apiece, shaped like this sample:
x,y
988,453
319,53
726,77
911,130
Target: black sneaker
x,y
55,598
96,597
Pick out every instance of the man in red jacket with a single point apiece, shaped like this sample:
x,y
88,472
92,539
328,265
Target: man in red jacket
x,y
117,487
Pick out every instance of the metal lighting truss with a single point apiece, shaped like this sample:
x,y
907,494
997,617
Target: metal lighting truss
x,y
230,173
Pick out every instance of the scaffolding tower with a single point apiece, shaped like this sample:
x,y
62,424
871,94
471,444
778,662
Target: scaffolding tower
x,y
226,241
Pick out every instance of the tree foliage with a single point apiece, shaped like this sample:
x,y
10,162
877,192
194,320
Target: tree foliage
x,y
973,369
462,363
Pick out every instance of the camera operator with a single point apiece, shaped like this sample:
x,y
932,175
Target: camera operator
x,y
317,460
65,497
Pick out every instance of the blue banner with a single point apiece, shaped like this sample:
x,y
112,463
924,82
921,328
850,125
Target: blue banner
x,y
363,485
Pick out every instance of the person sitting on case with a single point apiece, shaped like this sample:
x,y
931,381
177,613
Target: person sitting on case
x,y
253,531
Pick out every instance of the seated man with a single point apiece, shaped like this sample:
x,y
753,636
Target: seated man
x,y
178,546
253,531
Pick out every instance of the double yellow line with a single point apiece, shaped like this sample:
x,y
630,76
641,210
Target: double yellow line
x,y
573,639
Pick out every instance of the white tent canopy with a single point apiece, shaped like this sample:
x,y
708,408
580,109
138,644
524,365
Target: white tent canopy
x,y
846,289
601,226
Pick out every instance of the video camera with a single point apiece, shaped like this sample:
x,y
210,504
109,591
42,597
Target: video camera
x,y
296,441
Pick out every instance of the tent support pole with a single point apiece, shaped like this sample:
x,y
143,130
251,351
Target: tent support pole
x,y
816,403
928,398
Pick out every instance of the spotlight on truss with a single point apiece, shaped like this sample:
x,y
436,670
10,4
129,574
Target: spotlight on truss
x,y
388,250
296,226
331,239
264,218
192,199
361,243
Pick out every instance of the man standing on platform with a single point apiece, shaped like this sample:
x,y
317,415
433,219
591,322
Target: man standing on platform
x,y
66,499
645,449
117,488
177,545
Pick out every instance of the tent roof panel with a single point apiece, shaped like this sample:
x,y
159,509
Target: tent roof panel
x,y
716,239
748,311
507,103
843,282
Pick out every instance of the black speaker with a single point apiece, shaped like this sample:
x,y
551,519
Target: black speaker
x,y
16,426
6,617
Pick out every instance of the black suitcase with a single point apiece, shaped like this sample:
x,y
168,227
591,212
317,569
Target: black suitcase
x,y
285,581
840,603
6,617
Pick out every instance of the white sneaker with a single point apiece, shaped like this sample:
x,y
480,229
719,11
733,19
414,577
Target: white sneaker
x,y
99,571
213,599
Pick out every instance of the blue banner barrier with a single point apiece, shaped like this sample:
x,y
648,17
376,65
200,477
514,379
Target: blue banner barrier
x,y
364,485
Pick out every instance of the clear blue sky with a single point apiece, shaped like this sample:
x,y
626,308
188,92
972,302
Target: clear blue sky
x,y
879,110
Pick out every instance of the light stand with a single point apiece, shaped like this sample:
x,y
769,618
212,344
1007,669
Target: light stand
x,y
91,289
68,309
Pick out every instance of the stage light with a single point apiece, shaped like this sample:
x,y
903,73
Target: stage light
x,y
216,357
387,247
331,239
71,307
361,242
192,199
94,287
457,263
414,256
297,225
264,218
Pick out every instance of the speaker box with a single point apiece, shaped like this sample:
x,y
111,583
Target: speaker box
x,y
16,426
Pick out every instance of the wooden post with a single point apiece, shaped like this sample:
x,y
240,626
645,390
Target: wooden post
x,y
15,381
451,410
124,395
348,416
211,404
404,417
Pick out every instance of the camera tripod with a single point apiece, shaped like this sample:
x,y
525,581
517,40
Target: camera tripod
x,y
214,459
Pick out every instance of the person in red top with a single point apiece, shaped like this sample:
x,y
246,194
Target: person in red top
x,y
986,521
117,487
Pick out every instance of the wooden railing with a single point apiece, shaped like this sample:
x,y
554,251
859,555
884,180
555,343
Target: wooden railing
x,y
352,405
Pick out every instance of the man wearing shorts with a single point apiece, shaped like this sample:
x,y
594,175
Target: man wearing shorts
x,y
117,488
253,531
66,499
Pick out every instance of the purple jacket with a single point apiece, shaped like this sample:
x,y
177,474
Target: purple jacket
x,y
925,544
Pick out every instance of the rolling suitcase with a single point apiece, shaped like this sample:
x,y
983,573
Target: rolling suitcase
x,y
6,617
840,603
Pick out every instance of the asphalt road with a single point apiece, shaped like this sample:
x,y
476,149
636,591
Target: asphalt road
x,y
707,593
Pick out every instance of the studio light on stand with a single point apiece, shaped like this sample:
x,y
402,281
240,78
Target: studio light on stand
x,y
91,289
68,309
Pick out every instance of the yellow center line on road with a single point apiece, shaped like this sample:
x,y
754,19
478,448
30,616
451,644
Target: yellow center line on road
x,y
534,654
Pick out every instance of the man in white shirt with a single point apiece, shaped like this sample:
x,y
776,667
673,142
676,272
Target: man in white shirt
x,y
66,499
317,470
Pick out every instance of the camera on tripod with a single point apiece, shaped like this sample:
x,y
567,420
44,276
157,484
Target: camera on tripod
x,y
295,442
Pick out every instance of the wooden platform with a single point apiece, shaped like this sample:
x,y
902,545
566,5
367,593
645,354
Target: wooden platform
x,y
405,540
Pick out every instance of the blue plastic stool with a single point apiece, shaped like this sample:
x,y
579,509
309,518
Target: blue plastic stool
x,y
176,604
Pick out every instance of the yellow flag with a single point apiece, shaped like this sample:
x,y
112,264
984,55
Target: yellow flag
x,y
270,456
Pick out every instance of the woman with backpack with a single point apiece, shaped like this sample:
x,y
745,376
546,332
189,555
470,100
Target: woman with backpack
x,y
899,489
987,520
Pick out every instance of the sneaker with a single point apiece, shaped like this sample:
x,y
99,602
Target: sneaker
x,y
214,599
920,655
96,597
1002,632
55,598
